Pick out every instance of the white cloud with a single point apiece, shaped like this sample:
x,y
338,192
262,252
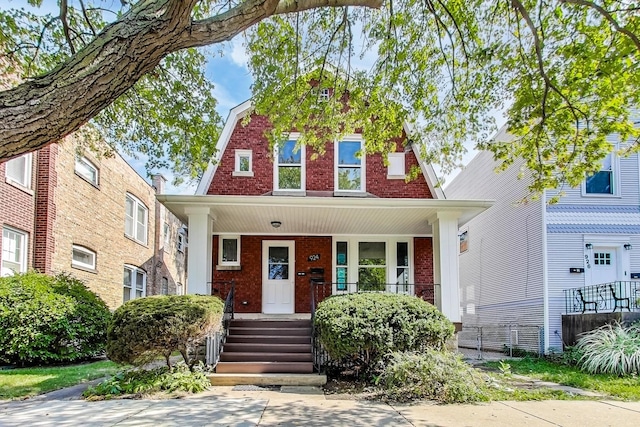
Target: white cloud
x,y
226,100
239,54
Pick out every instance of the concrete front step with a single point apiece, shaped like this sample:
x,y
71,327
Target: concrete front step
x,y
235,330
265,367
269,339
226,356
255,323
266,348
313,380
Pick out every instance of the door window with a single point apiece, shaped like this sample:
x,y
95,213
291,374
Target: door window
x,y
278,263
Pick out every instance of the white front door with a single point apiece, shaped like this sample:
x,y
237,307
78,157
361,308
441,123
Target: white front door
x,y
605,265
278,276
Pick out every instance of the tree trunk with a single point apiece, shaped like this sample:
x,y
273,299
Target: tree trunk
x,y
49,107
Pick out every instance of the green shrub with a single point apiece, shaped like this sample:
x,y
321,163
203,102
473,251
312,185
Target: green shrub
x,y
371,325
145,328
436,375
177,378
610,349
46,319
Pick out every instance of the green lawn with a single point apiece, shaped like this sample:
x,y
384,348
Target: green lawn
x,y
542,369
23,382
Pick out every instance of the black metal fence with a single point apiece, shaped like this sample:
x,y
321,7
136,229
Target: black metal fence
x,y
321,290
603,298
215,341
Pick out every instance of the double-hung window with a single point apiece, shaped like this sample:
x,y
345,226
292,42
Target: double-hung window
x,y
350,165
136,217
603,182
18,170
289,171
372,266
85,169
229,249
14,252
134,284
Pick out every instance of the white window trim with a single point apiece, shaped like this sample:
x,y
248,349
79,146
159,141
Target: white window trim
x,y
135,220
363,165
132,289
293,136
615,164
88,163
87,251
229,237
28,170
402,158
25,249
239,154
391,248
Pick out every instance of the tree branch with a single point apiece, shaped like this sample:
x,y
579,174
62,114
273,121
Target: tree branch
x,y
225,26
65,25
606,15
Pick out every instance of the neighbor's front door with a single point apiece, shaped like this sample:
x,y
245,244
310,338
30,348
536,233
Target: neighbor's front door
x,y
278,276
605,265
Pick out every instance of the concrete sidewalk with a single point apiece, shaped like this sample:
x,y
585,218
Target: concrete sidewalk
x,y
223,406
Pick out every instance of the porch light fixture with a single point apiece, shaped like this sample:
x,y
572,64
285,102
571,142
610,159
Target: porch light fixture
x,y
276,224
627,246
588,246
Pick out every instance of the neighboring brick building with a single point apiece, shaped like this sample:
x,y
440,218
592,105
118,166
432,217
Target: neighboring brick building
x,y
276,221
93,217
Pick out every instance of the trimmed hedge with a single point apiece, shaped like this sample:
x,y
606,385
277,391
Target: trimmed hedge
x,y
46,319
145,328
372,325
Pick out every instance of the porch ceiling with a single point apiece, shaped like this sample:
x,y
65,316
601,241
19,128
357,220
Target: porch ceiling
x,y
322,215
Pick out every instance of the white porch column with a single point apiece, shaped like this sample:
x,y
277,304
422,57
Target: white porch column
x,y
445,263
200,250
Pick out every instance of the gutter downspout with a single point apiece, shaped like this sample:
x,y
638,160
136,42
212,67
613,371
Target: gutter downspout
x,y
545,274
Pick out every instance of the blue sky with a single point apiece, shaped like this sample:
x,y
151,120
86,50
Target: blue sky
x,y
227,69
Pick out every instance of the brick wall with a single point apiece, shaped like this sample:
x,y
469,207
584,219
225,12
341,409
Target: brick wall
x,y
423,262
46,182
94,217
249,278
319,172
17,207
171,263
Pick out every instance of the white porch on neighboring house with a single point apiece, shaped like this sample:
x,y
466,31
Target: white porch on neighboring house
x,y
326,216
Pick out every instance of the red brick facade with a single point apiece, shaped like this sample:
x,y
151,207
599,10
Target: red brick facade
x,y
17,206
319,172
248,296
46,182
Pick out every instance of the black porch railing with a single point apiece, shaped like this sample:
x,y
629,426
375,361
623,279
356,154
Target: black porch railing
x,y
603,298
320,290
226,291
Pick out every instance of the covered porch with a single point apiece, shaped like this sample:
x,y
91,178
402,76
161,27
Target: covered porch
x,y
327,239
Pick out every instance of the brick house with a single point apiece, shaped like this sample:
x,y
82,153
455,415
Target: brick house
x,y
275,222
93,217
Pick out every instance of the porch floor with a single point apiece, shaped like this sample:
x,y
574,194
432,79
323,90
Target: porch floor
x,y
263,316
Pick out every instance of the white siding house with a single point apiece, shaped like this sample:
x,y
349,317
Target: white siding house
x,y
519,255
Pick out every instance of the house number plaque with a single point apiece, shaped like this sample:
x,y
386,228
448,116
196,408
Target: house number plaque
x,y
314,257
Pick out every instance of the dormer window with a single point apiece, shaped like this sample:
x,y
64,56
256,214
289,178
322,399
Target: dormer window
x,y
350,165
289,170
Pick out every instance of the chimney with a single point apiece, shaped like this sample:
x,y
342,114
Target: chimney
x,y
158,181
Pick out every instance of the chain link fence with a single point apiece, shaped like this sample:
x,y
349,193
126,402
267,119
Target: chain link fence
x,y
512,339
